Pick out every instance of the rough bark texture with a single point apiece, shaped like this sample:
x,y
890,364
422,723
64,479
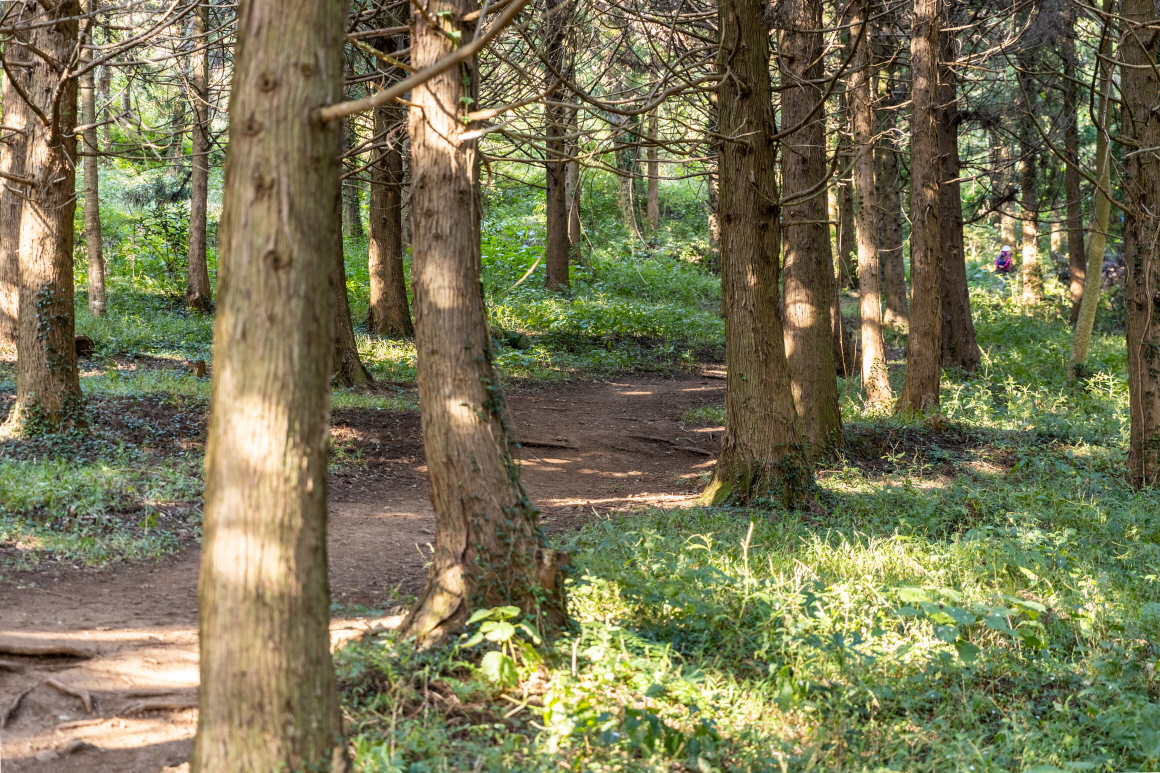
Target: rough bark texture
x,y
875,378
14,143
557,252
268,698
761,453
892,260
489,549
652,172
349,370
94,243
960,349
923,357
48,394
1140,87
199,293
390,313
808,267
847,237
352,225
1076,257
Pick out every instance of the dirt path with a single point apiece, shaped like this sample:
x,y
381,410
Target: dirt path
x,y
589,448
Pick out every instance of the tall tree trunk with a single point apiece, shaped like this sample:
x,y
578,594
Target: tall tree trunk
x,y
891,259
860,97
349,370
847,241
920,392
808,270
268,698
1031,269
652,171
352,225
489,550
960,349
94,243
760,454
1140,89
557,252
712,181
1076,258
48,393
199,293
15,140
572,187
390,314
1101,217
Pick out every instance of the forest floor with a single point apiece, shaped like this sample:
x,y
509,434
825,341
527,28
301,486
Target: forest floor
x,y
588,448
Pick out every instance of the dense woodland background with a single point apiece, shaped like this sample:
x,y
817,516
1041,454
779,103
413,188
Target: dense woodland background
x,y
928,537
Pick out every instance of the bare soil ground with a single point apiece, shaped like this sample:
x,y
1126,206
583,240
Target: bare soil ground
x,y
588,448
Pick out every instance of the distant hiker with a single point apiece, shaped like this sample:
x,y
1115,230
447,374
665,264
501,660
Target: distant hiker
x,y
1003,263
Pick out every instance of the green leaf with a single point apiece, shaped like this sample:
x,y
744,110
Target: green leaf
x,y
912,595
999,624
498,632
506,612
474,640
967,651
480,614
499,669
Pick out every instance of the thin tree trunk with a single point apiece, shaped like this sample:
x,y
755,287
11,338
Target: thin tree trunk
x,y
48,394
847,241
1140,89
1076,258
891,259
489,549
1031,269
960,349
268,698
875,377
349,370
920,392
557,250
1101,218
94,243
15,141
652,170
390,313
199,293
572,184
352,225
760,454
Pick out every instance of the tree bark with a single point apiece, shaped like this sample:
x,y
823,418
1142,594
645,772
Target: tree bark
x,y
1140,89
352,225
15,141
891,259
960,349
652,171
1101,217
48,394
860,97
557,248
808,270
489,549
94,242
390,313
199,292
761,456
920,392
1076,257
268,698
847,240
1031,269
349,371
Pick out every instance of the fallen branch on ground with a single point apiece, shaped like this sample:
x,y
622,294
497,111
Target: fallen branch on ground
x,y
76,692
675,444
545,444
12,707
160,705
46,651
7,665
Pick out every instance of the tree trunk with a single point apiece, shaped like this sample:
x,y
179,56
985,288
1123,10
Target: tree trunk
x,y
1101,217
761,456
48,393
15,141
920,392
891,259
390,314
94,243
652,171
1031,269
572,187
489,549
847,241
960,349
808,268
875,378
626,159
348,368
1140,89
1076,258
268,698
199,293
352,225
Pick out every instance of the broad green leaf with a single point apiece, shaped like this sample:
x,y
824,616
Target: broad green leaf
x,y
499,669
